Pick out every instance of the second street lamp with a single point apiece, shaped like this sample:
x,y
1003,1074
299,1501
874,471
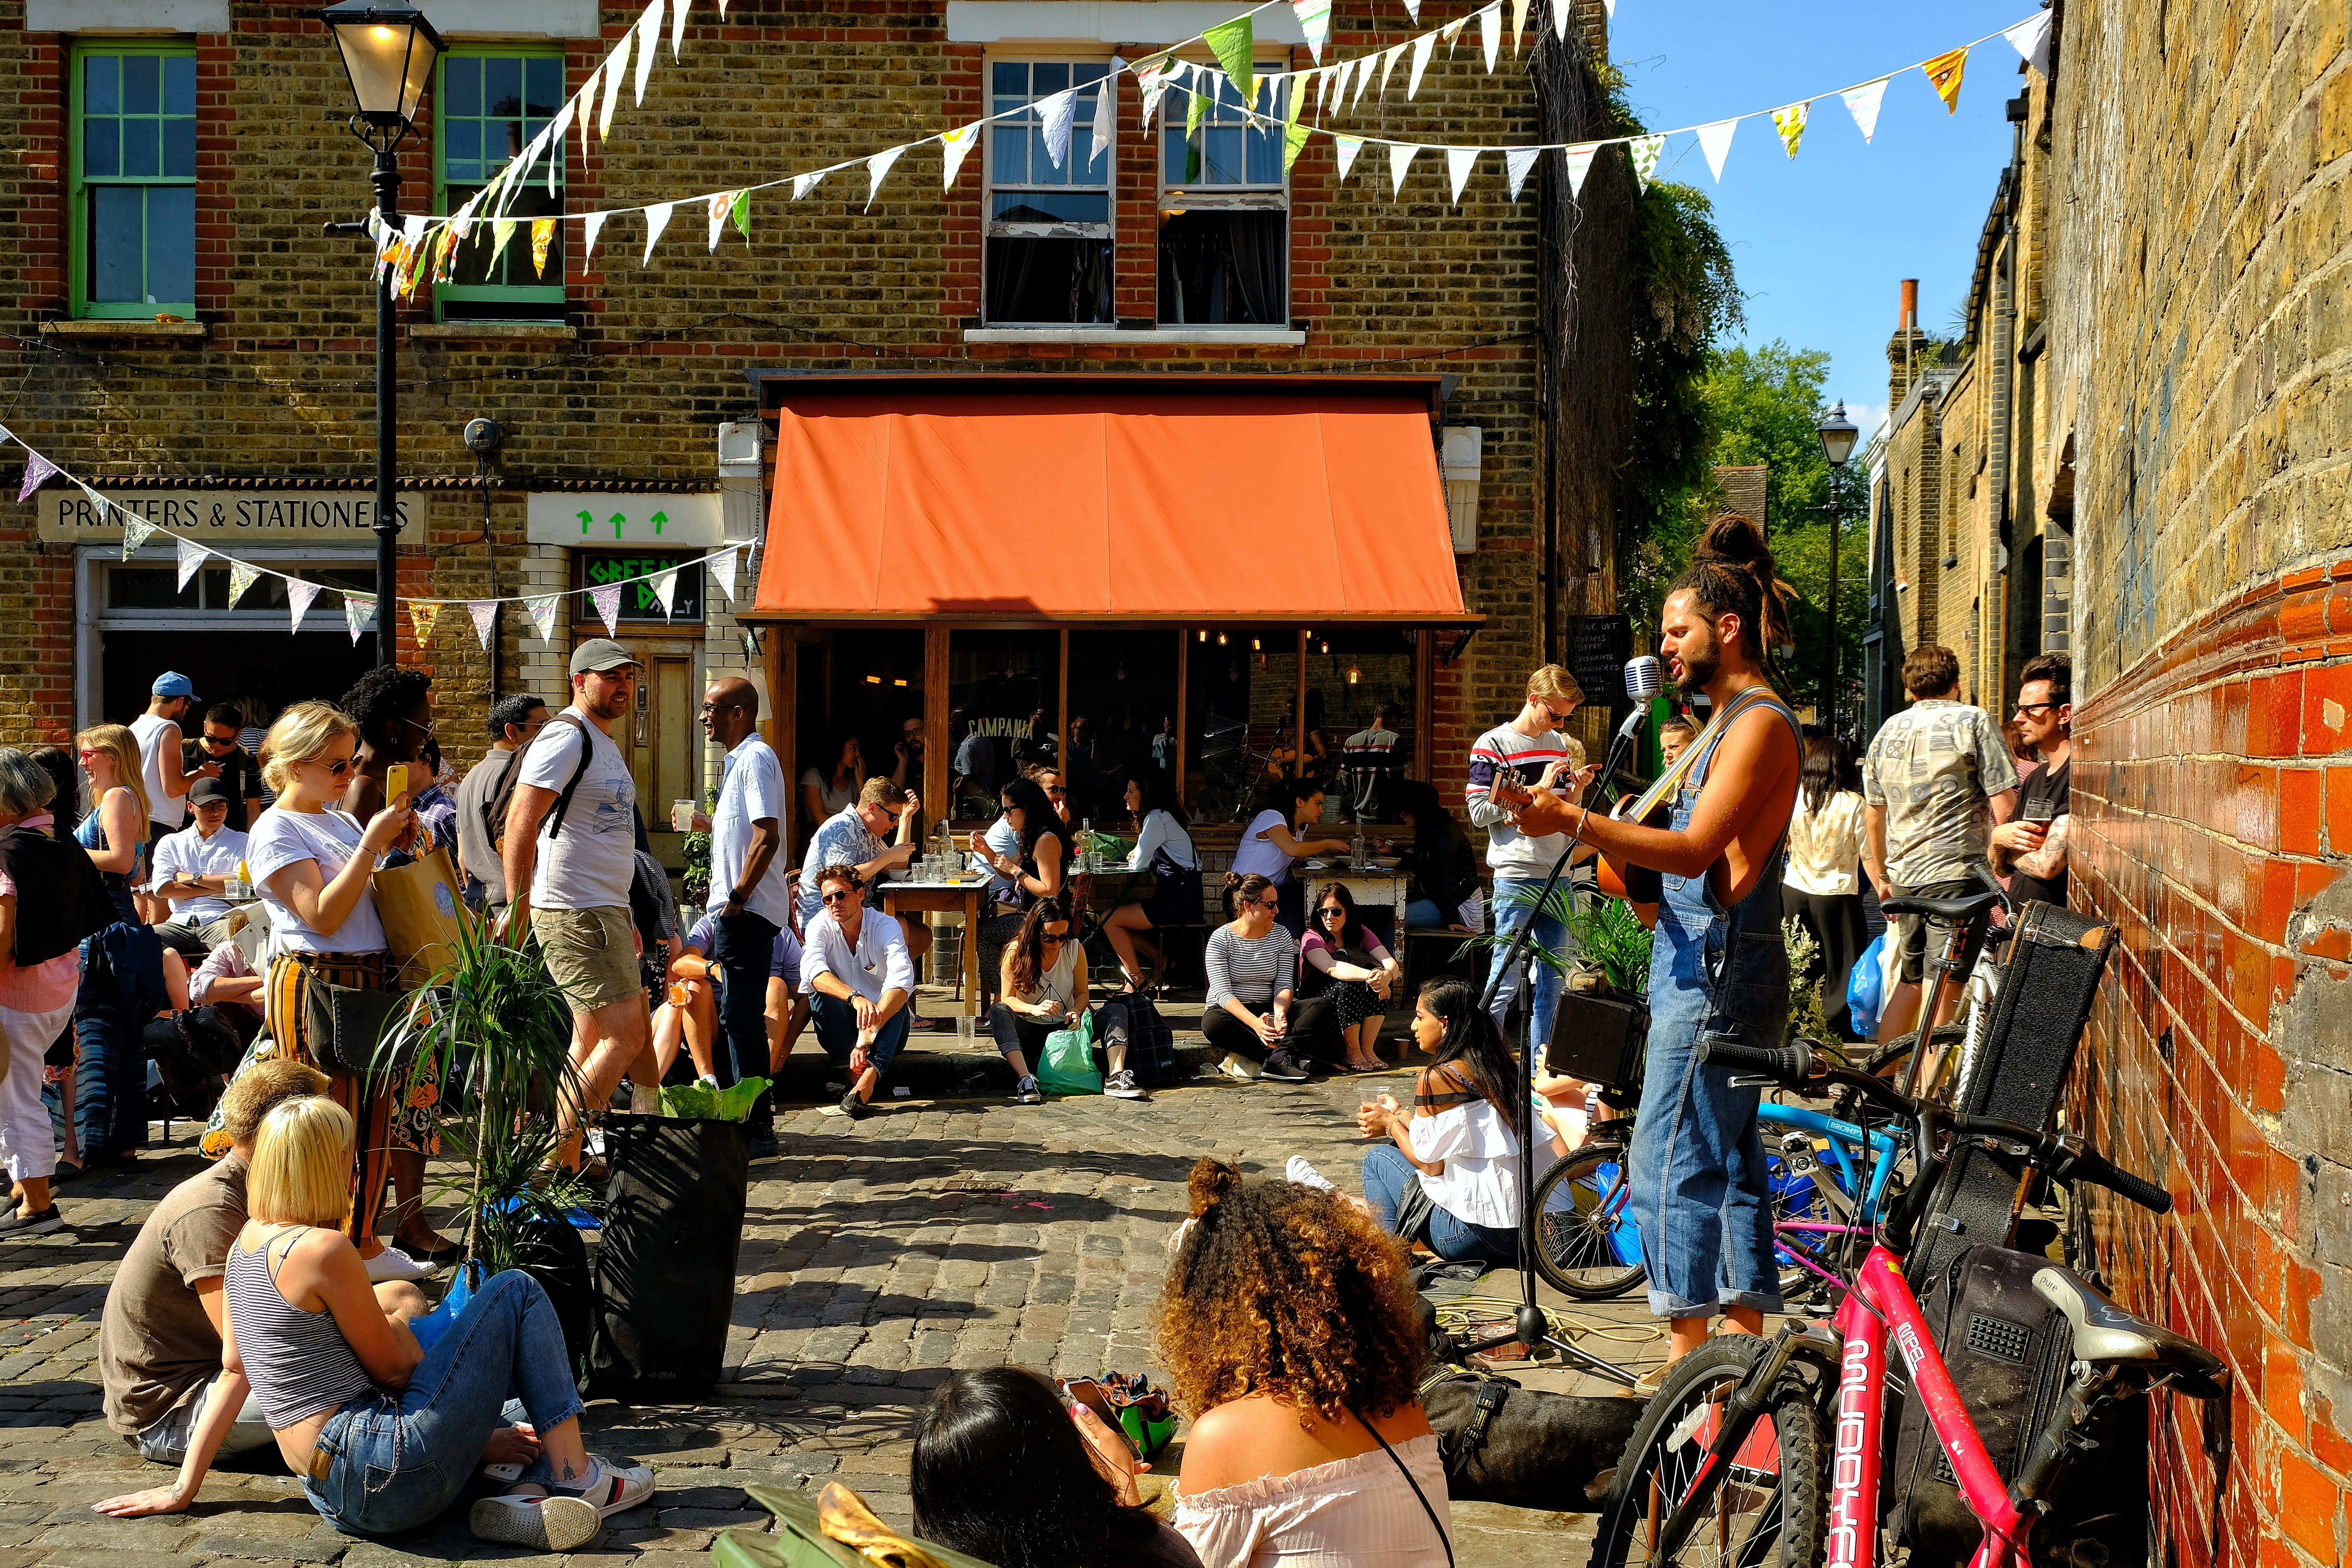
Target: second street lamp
x,y
1838,435
388,52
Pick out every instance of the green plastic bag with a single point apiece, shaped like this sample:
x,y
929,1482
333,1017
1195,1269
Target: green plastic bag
x,y
700,1102
1067,1064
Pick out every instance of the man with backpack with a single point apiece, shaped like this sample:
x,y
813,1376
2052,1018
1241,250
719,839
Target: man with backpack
x,y
569,855
515,722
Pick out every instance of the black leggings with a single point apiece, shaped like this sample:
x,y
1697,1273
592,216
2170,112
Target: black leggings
x,y
1314,1032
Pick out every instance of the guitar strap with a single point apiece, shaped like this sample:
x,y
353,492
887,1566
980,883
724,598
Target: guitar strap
x,y
1671,781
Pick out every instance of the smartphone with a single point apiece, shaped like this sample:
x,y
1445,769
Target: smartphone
x,y
2042,810
1086,1391
396,783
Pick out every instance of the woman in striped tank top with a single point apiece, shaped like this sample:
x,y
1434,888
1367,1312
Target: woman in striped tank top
x,y
385,1432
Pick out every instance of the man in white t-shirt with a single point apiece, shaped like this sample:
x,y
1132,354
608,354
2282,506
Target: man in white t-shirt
x,y
193,868
571,869
170,702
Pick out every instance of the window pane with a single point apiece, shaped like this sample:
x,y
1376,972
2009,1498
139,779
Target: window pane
x,y
101,148
180,148
1009,160
1041,166
1048,77
141,152
1221,153
1009,77
462,80
543,84
502,85
1122,687
1264,158
100,81
146,588
1048,280
1049,207
180,84
115,243
141,84
1082,74
171,244
464,159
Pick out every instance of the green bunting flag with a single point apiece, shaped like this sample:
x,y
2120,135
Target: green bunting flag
x,y
1231,44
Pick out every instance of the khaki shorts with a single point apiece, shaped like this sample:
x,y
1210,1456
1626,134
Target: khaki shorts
x,y
1910,934
592,954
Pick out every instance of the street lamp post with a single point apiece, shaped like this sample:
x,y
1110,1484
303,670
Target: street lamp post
x,y
388,52
1838,434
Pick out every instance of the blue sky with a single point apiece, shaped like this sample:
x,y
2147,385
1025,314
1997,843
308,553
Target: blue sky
x,y
1822,244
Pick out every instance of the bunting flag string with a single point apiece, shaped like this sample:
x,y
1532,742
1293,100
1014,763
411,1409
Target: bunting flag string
x,y
240,578
358,610
607,600
37,471
422,613
1715,141
1862,102
1790,122
1517,162
665,589
299,592
135,528
722,567
1944,72
191,556
486,611
542,609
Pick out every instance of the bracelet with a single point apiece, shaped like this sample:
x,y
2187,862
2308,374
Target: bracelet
x,y
1577,832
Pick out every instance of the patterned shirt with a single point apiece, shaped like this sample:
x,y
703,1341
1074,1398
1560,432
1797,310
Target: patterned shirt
x,y
1934,766
1502,753
842,839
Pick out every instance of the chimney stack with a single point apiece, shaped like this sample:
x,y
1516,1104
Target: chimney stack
x,y
1903,348
1910,318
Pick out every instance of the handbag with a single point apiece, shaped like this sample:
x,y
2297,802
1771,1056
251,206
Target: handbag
x,y
343,1023
1067,1064
425,919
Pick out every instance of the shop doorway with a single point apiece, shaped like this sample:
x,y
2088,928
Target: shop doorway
x,y
232,665
662,742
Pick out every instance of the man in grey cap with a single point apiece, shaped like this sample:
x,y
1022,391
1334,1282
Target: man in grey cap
x,y
569,854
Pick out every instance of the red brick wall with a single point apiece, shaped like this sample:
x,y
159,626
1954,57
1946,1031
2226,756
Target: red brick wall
x,y
2214,831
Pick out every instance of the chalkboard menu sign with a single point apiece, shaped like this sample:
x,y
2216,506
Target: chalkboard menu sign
x,y
594,569
1598,647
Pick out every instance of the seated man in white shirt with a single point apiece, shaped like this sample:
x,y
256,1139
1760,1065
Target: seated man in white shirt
x,y
193,869
860,983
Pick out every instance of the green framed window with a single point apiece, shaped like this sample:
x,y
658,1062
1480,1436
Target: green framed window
x,y
132,173
489,103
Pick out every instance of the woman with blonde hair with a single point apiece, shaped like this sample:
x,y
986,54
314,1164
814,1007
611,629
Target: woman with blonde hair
x,y
121,981
385,1433
115,830
312,865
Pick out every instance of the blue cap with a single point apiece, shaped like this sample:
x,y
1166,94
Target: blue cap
x,y
171,683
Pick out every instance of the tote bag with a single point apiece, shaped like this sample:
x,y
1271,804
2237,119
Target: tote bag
x,y
423,917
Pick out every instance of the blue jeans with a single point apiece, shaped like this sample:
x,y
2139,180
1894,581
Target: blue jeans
x,y
1550,935
1423,914
1389,1176
401,1459
836,1023
746,945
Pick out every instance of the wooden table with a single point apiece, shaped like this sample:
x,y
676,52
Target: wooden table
x,y
964,896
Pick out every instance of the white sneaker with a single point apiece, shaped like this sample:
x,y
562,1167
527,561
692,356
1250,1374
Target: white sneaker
x,y
1121,1085
546,1524
1238,1068
394,1264
1306,1175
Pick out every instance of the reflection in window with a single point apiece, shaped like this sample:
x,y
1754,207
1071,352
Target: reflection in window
x,y
1049,228
1122,691
134,202
1004,689
491,107
1243,737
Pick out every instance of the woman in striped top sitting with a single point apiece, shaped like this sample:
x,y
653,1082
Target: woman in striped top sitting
x,y
1253,966
384,1432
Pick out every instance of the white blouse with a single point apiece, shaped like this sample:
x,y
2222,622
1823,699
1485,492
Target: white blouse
x,y
1357,1512
1480,1183
1825,847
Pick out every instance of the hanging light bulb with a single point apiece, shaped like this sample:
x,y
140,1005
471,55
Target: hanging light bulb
x,y
1221,640
1204,634
1354,675
1327,645
1256,645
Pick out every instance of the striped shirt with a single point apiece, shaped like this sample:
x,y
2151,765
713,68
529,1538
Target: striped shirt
x,y
299,1363
1251,970
1502,753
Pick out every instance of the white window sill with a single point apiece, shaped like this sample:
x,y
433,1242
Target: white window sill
x,y
494,332
122,326
1274,337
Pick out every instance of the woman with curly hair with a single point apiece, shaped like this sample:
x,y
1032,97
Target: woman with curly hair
x,y
1289,1322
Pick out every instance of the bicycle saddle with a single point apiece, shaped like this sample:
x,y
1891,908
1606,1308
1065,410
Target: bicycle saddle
x,y
2106,1332
1962,909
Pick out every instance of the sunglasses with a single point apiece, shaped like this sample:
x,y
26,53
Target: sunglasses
x,y
219,740
1057,789
1269,903
334,770
1332,911
2035,707
429,726
849,898
1053,939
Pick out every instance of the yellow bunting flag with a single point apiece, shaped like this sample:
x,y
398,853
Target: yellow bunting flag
x,y
1944,72
1791,122
543,235
422,613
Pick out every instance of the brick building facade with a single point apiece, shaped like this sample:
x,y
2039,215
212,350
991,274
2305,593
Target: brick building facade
x,y
624,393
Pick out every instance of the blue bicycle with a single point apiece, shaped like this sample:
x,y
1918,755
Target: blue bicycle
x,y
1828,1179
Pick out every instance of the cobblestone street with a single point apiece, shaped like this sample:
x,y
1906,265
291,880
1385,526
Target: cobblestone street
x,y
879,1256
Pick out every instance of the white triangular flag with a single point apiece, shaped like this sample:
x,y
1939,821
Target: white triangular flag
x,y
1399,162
1345,149
1106,112
555,130
803,184
1490,33
1644,151
677,27
1054,114
298,595
1347,69
412,228
666,589
486,611
240,578
1388,59
1715,141
1863,101
586,100
589,229
1453,31
192,556
1559,9
877,169
607,600
718,208
617,66
2032,37
1421,48
656,220
1413,9
136,531
1459,161
953,145
357,608
1519,26
542,609
1517,162
648,35
1579,163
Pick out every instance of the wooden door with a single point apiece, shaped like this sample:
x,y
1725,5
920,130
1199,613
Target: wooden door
x,y
662,741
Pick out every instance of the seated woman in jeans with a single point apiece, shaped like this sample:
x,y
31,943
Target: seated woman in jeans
x,y
1449,1176
385,1433
1044,989
860,983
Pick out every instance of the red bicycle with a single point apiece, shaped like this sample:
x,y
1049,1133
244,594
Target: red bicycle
x,y
1768,1451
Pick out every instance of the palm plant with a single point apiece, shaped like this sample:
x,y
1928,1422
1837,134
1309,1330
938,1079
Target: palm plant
x,y
1606,933
499,1031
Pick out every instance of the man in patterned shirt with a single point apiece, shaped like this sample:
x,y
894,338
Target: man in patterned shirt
x,y
853,835
1937,777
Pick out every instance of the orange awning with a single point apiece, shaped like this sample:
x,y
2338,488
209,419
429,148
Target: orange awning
x,y
1106,501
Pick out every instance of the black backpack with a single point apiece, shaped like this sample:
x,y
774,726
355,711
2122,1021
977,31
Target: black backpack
x,y
502,798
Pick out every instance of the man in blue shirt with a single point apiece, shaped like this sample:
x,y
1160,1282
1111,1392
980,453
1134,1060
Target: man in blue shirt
x,y
854,836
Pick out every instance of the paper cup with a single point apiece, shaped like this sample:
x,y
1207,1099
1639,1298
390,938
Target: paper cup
x,y
682,816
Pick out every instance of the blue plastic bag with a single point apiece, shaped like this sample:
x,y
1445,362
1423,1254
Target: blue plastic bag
x,y
1863,989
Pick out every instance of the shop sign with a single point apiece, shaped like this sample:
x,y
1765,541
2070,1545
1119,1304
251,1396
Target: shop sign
x,y
638,601
680,522
222,518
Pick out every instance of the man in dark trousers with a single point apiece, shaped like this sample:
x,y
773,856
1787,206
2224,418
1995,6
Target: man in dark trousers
x,y
753,897
514,721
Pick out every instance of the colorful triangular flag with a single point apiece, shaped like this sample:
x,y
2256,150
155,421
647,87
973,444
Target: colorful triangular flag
x,y
543,234
607,600
298,595
502,230
1421,48
1517,162
718,208
1459,161
1452,31
357,609
37,470
1345,149
1715,141
1315,21
192,556
541,608
1862,102
240,578
1056,114
1579,163
2031,38
1789,119
1644,151
1944,74
666,589
485,615
136,531
1400,162
422,613
739,213
656,220
953,145
1231,44
1294,141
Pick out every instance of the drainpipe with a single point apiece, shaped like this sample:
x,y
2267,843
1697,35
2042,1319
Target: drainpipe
x,y
2005,411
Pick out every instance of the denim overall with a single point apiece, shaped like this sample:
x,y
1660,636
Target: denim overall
x,y
1698,1192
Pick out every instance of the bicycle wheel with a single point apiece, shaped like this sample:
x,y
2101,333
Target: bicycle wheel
x,y
1798,1186
1764,1509
1585,1242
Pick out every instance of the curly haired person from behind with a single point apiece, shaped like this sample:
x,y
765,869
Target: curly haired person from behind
x,y
1289,1322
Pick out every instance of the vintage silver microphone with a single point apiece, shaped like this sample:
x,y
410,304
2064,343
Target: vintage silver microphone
x,y
1645,679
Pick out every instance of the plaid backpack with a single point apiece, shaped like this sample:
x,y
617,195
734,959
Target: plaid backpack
x,y
1150,1045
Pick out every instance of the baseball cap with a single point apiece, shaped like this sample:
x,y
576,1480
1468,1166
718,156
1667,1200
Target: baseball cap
x,y
205,790
600,654
171,683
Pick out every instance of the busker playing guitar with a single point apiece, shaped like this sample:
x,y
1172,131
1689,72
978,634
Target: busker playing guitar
x,y
1718,966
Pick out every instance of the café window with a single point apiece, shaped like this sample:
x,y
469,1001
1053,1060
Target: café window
x,y
1005,692
491,103
1224,209
859,703
635,570
1123,690
1241,735
132,174
1048,244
